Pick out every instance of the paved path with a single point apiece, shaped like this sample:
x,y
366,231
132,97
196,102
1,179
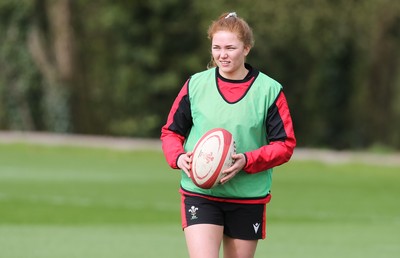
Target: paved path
x,y
124,143
120,143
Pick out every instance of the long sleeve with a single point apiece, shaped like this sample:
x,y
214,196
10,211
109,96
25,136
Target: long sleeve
x,y
177,127
281,139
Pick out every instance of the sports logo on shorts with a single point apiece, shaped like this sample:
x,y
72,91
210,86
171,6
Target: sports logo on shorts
x,y
256,226
193,211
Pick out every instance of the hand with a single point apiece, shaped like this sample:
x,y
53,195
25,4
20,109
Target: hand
x,y
239,163
185,162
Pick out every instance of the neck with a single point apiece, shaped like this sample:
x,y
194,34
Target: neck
x,y
239,74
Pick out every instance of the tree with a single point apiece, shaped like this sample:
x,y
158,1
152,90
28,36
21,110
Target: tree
x,y
114,67
51,42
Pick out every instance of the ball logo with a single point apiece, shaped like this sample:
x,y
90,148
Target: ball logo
x,y
207,154
208,157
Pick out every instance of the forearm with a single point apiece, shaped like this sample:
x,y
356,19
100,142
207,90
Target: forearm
x,y
269,156
172,146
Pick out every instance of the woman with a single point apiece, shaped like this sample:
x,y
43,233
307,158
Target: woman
x,y
233,95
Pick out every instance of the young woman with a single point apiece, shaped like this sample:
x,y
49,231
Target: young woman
x,y
233,95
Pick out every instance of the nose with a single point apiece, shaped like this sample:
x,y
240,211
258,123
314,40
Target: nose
x,y
224,54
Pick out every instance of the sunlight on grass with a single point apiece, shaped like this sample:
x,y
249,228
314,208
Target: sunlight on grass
x,y
86,202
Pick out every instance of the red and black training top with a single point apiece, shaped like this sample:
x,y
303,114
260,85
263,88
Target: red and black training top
x,y
278,122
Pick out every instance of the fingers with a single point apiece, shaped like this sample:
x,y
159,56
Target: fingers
x,y
184,162
239,163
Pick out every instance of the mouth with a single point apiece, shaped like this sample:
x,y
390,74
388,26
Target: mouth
x,y
224,63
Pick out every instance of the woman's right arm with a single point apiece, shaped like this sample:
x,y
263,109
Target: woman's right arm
x,y
175,131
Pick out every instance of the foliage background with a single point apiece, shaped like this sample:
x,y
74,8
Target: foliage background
x,y
114,67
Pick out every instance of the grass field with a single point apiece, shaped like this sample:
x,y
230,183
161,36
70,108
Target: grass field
x,y
68,202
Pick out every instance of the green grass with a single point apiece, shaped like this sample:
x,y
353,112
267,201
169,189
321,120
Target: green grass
x,y
58,202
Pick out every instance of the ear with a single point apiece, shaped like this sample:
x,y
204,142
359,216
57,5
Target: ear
x,y
247,50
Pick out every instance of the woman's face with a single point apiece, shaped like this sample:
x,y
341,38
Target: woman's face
x,y
229,54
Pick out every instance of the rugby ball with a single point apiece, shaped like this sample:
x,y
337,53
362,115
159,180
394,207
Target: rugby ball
x,y
212,154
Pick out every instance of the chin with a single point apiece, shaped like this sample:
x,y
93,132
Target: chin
x,y
225,69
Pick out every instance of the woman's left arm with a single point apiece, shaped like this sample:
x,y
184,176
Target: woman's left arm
x,y
281,139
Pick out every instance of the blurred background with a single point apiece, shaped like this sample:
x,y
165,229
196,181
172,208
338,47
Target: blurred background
x,y
114,67
80,70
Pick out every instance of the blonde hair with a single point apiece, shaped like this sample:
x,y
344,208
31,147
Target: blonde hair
x,y
232,23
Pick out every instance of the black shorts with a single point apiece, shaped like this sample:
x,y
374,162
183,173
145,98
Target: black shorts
x,y
240,221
